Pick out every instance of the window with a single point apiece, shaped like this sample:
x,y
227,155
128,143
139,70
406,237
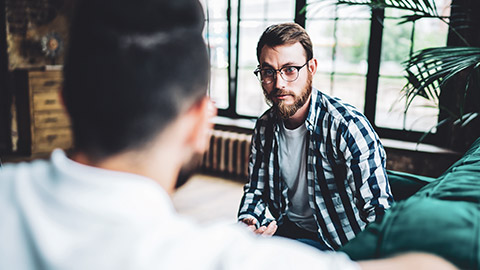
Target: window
x,y
216,34
398,43
340,40
255,16
360,58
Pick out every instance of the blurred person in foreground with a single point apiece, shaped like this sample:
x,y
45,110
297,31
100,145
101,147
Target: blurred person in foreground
x,y
316,163
136,75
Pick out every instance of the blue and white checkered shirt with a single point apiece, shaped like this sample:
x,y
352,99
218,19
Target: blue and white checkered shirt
x,y
347,181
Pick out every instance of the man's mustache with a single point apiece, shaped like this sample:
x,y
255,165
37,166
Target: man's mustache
x,y
280,92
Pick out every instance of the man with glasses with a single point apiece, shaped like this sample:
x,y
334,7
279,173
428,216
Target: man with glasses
x,y
316,163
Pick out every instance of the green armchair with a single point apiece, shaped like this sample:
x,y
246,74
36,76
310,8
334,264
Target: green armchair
x,y
436,215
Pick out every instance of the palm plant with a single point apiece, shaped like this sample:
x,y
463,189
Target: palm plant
x,y
431,72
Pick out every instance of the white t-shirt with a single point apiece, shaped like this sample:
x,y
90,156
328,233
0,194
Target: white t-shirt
x,y
60,214
293,170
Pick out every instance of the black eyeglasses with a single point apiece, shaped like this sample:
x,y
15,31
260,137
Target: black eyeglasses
x,y
287,73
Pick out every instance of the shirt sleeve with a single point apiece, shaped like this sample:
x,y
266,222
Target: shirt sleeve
x,y
252,203
365,160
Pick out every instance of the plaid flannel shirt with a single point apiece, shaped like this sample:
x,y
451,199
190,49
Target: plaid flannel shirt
x,y
346,176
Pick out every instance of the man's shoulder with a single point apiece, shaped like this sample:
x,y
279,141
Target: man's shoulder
x,y
17,178
13,171
266,119
266,115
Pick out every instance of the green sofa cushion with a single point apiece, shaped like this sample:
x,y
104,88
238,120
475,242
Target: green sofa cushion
x,y
404,185
459,182
441,218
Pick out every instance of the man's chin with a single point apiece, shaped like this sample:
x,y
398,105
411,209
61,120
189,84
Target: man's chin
x,y
285,112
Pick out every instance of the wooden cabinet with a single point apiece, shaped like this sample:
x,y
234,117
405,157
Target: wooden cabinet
x,y
43,124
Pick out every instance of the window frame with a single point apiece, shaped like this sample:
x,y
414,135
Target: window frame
x,y
372,76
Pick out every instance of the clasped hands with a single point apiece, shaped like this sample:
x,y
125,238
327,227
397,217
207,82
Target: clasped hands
x,y
262,230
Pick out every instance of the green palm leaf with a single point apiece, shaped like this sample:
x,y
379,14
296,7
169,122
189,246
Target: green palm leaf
x,y
430,69
424,7
420,8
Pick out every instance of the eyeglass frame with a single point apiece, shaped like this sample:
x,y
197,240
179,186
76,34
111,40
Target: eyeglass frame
x,y
258,69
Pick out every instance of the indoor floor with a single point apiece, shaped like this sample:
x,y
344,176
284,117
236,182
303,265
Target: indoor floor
x,y
206,198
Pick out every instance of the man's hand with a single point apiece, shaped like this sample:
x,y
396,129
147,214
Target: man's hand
x,y
263,230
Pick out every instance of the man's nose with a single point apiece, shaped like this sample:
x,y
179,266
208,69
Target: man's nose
x,y
279,81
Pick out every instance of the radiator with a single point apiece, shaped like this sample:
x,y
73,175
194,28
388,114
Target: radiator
x,y
228,154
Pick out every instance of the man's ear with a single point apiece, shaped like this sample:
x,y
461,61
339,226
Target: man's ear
x,y
200,115
312,66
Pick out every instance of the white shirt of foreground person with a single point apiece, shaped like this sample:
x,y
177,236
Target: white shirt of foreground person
x,y
60,214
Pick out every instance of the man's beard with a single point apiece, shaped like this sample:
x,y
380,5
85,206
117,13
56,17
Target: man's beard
x,y
188,170
286,111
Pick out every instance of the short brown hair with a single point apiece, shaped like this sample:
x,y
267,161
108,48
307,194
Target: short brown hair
x,y
285,33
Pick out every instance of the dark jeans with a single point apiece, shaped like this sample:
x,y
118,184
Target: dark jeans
x,y
290,230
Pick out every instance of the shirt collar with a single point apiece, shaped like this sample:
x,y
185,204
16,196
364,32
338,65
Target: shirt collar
x,y
313,110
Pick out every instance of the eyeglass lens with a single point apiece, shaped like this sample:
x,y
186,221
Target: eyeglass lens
x,y
288,74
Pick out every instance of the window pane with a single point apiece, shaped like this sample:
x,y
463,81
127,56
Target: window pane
x,y
252,9
321,34
322,82
255,17
250,99
430,33
217,40
216,37
249,34
217,9
396,13
214,9
395,47
266,9
320,10
327,10
341,49
422,114
219,87
352,45
351,12
280,9
390,108
350,89
443,7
